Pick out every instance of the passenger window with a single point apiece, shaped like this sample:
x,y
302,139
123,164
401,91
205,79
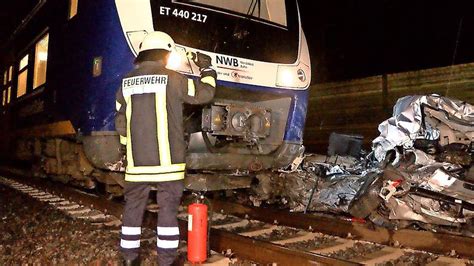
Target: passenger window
x,y
7,87
10,75
9,92
24,62
73,8
5,77
10,71
22,76
41,59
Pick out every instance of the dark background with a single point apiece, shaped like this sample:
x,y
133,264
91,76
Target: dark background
x,y
350,39
11,15
359,38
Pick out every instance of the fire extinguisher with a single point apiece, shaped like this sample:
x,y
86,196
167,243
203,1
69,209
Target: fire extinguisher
x,y
197,233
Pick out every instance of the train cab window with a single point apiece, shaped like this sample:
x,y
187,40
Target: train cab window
x,y
41,59
273,11
22,76
73,8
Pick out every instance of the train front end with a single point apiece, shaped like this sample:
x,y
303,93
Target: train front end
x,y
258,48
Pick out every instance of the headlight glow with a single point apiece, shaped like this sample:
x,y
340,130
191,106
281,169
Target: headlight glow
x,y
174,61
292,76
287,77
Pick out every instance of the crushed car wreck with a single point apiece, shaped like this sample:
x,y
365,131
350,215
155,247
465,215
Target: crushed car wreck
x,y
419,172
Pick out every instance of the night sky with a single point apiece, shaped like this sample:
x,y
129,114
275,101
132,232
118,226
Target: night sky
x,y
11,15
359,38
351,39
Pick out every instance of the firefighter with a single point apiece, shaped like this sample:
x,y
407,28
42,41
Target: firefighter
x,y
149,121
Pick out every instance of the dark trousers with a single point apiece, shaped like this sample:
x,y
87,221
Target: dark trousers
x,y
168,198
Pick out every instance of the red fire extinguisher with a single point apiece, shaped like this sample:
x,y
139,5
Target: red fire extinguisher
x,y
197,233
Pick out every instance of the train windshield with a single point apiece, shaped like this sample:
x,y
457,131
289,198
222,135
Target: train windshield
x,y
269,10
262,30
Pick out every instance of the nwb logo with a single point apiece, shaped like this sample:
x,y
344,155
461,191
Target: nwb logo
x,y
223,60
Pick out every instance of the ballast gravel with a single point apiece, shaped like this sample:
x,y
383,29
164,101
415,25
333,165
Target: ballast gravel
x,y
33,232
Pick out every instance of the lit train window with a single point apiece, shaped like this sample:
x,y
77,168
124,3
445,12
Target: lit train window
x,y
9,92
5,76
7,80
24,62
269,10
22,76
73,8
41,59
10,73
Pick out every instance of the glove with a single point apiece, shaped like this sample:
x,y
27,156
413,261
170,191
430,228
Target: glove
x,y
203,61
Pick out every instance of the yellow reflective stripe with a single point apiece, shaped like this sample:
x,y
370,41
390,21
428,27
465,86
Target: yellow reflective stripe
x,y
209,80
128,113
156,169
162,128
191,88
154,178
117,106
123,140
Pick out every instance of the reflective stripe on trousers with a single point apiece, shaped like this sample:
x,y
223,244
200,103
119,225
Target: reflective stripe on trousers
x,y
168,237
168,197
167,244
130,237
129,244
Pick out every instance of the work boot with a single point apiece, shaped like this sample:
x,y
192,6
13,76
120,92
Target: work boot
x,y
133,262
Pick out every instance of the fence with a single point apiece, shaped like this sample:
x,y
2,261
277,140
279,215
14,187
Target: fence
x,y
358,106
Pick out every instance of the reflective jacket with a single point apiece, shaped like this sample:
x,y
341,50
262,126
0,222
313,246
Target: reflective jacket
x,y
149,119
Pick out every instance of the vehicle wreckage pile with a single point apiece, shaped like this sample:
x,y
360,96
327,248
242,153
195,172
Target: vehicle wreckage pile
x,y
418,174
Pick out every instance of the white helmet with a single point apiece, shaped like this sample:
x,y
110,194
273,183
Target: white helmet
x,y
157,40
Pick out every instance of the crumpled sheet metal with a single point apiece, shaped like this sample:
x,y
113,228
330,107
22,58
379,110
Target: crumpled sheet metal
x,y
438,176
297,188
356,192
406,123
339,179
426,210
443,182
422,158
337,193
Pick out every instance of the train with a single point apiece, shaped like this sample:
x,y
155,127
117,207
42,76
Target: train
x,y
63,65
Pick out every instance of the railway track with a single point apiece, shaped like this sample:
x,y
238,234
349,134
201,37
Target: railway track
x,y
343,249
439,243
237,231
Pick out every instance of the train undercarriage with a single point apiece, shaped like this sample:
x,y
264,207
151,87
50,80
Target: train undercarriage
x,y
228,144
65,160
85,164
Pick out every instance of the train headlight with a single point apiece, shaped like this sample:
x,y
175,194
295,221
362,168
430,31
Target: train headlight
x,y
293,76
174,60
286,77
